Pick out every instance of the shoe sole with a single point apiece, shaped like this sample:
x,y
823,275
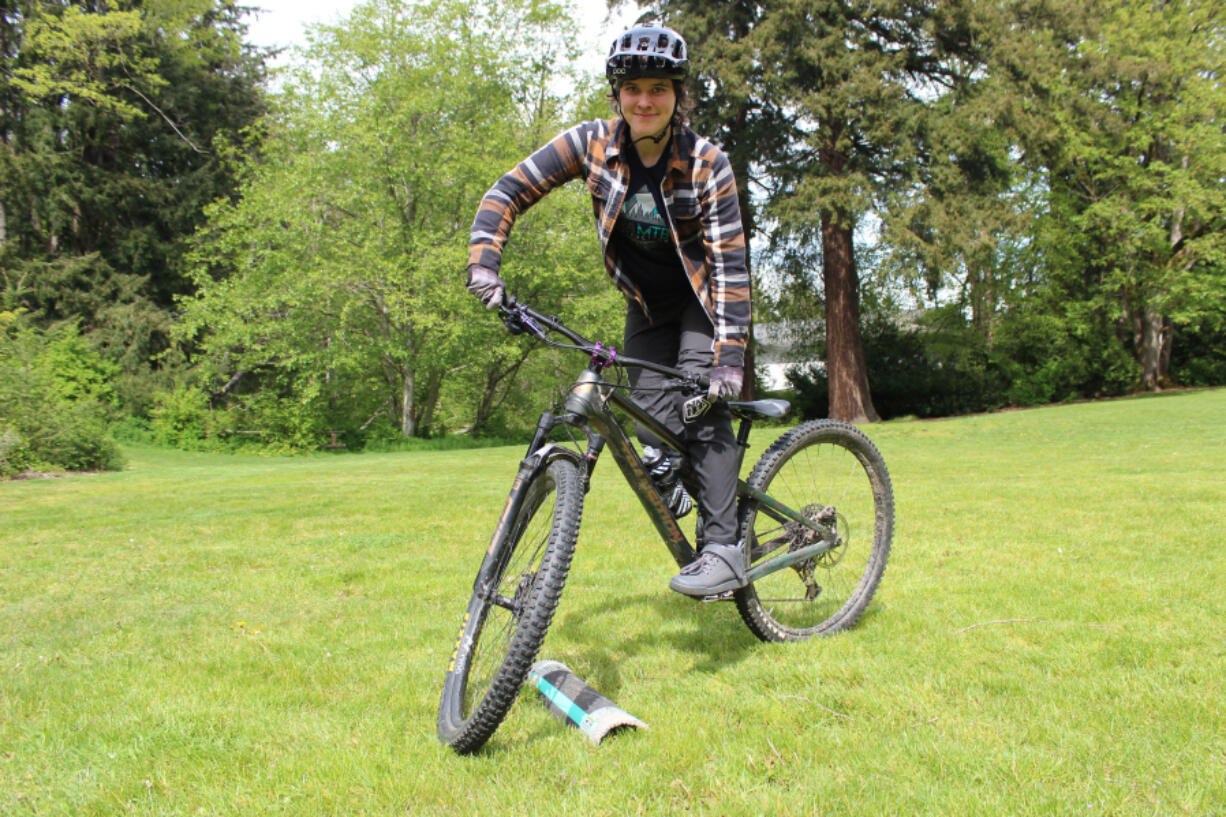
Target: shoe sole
x,y
714,591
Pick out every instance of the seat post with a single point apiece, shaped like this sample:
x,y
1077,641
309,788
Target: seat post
x,y
742,433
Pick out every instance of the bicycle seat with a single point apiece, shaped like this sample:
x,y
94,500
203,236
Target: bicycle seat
x,y
760,408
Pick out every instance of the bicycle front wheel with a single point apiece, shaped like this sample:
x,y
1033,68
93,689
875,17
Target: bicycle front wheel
x,y
508,615
835,477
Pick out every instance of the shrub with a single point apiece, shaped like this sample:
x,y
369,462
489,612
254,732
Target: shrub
x,y
935,369
941,366
54,401
1049,358
181,418
1198,357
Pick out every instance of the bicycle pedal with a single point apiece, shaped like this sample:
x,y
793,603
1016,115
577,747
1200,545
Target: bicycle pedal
x,y
724,596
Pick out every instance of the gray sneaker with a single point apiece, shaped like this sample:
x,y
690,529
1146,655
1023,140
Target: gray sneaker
x,y
718,569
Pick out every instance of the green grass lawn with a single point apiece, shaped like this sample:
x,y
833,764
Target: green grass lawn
x,y
223,635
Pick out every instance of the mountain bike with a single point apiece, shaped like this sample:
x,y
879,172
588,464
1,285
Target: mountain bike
x,y
816,515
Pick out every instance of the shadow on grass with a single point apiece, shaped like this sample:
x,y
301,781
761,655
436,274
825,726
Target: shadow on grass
x,y
598,642
591,638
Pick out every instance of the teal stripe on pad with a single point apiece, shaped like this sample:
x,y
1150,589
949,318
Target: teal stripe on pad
x,y
559,699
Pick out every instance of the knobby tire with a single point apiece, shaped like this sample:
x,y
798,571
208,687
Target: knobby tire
x,y
496,645
832,471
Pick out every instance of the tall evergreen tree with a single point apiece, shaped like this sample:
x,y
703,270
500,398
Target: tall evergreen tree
x,y
109,117
828,105
1137,158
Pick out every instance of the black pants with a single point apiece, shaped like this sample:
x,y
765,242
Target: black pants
x,y
681,336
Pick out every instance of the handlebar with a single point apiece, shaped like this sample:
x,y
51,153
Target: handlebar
x,y
520,318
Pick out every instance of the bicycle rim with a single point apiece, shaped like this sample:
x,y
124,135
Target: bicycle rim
x,y
504,629
834,476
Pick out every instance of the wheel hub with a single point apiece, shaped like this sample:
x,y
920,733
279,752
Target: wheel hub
x,y
522,591
826,518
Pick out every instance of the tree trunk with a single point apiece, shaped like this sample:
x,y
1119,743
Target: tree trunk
x,y
425,408
850,400
1150,335
493,392
1164,357
407,427
981,290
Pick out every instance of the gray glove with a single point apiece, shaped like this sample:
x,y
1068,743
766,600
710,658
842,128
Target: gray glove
x,y
486,285
726,382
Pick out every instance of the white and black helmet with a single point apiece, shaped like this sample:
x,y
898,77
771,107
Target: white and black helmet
x,y
648,50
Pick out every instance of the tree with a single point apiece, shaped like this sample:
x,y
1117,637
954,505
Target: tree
x,y
108,117
335,281
1139,169
831,103
1115,108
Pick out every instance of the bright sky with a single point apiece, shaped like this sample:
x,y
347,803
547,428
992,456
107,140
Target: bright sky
x,y
281,22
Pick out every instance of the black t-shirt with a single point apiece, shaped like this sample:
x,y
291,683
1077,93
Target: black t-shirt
x,y
642,239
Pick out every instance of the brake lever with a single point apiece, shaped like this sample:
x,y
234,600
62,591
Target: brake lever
x,y
517,320
512,319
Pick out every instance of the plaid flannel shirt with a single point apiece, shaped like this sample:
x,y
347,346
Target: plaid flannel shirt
x,y
703,214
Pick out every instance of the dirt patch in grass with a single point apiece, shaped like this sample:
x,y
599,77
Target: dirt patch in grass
x,y
53,474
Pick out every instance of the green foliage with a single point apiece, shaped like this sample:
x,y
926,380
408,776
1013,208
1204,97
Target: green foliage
x,y
1124,121
330,292
835,110
109,113
1199,359
1005,157
1049,356
76,368
88,56
936,370
1051,173
181,418
54,401
942,365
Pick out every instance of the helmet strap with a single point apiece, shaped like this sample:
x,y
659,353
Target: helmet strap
x,y
658,138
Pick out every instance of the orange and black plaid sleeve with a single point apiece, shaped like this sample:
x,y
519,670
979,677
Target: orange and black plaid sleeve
x,y
554,164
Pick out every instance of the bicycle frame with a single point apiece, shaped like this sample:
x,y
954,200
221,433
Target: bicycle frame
x,y
590,407
589,400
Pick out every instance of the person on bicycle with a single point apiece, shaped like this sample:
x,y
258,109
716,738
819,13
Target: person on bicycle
x,y
669,221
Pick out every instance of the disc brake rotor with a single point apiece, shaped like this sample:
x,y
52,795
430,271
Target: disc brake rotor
x,y
522,592
827,518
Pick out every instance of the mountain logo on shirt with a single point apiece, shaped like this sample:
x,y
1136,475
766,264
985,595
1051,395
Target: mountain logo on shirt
x,y
644,220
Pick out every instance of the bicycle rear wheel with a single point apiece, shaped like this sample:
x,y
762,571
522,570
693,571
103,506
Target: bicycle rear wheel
x,y
508,616
834,475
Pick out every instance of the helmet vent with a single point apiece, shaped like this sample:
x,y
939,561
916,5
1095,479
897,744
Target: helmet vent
x,y
647,50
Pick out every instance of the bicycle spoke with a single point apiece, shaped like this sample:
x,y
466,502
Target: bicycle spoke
x,y
496,645
824,471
